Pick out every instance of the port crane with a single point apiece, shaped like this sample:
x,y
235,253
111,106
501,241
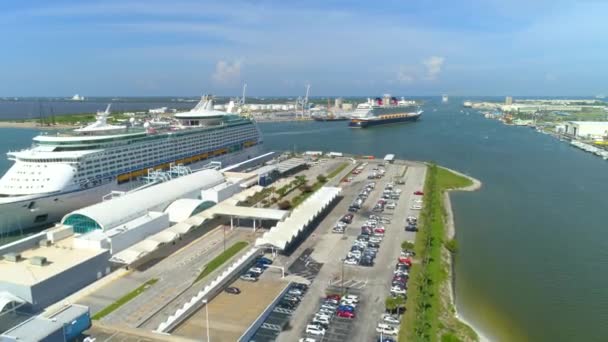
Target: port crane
x,y
303,103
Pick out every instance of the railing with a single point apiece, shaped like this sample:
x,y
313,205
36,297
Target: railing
x,y
207,292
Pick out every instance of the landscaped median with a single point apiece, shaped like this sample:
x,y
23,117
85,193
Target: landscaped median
x,y
429,314
221,259
124,299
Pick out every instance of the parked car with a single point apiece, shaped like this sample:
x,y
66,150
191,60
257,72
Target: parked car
x,y
334,296
398,290
351,297
386,329
248,277
346,308
257,270
390,319
300,286
322,322
418,193
307,339
315,330
411,228
264,260
233,290
416,207
346,314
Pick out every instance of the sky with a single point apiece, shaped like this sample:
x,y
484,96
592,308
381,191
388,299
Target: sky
x,y
339,47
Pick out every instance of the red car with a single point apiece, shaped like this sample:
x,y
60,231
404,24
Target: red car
x,y
334,297
346,314
419,193
406,261
379,230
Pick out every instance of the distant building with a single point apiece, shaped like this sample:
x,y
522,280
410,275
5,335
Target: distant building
x,y
509,101
595,130
347,106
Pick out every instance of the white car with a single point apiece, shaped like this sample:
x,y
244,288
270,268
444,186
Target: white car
x,y
322,316
315,330
398,290
320,320
388,330
256,270
351,297
351,262
307,339
390,319
416,207
347,303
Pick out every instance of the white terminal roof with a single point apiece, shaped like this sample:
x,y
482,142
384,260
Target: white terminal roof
x,y
389,157
285,232
60,256
117,211
183,208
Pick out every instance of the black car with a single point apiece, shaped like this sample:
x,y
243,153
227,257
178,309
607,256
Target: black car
x,y
300,286
411,228
287,305
373,245
233,290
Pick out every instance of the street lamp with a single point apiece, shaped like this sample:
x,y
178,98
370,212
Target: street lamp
x,y
342,275
207,317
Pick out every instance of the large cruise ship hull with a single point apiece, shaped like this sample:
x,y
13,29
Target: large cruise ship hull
x,y
35,211
365,123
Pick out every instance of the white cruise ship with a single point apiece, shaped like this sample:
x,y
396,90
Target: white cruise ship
x,y
64,172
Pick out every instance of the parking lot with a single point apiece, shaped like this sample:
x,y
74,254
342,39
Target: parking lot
x,y
231,314
372,283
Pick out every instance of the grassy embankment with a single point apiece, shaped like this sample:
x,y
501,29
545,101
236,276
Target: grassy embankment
x,y
124,299
429,314
221,259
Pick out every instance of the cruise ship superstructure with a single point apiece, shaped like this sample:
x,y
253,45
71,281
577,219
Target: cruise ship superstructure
x,y
67,171
386,110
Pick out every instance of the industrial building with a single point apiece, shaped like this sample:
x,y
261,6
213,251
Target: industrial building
x,y
593,130
63,326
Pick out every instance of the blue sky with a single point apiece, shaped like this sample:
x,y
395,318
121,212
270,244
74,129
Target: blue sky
x,y
408,47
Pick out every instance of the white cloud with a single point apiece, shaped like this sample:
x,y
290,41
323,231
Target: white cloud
x,y
227,73
406,74
433,67
428,70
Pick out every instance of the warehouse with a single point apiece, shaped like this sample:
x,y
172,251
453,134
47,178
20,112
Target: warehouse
x,y
593,130
65,325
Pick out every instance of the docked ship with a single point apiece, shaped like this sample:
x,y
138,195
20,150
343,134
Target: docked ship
x,y
66,171
382,111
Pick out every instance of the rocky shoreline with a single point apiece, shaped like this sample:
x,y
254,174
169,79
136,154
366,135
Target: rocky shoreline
x,y
450,234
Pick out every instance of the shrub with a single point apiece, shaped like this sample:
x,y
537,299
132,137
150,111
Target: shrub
x,y
321,178
284,205
452,246
407,245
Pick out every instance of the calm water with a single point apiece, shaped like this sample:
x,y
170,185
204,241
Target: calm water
x,y
533,241
34,108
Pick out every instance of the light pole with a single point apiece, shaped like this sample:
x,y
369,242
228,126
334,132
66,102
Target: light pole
x,y
207,317
342,276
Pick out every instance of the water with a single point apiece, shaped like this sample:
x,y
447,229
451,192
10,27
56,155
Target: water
x,y
32,108
533,243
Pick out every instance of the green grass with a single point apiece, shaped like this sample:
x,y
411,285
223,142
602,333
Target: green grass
x,y
124,299
221,259
447,180
423,306
335,172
